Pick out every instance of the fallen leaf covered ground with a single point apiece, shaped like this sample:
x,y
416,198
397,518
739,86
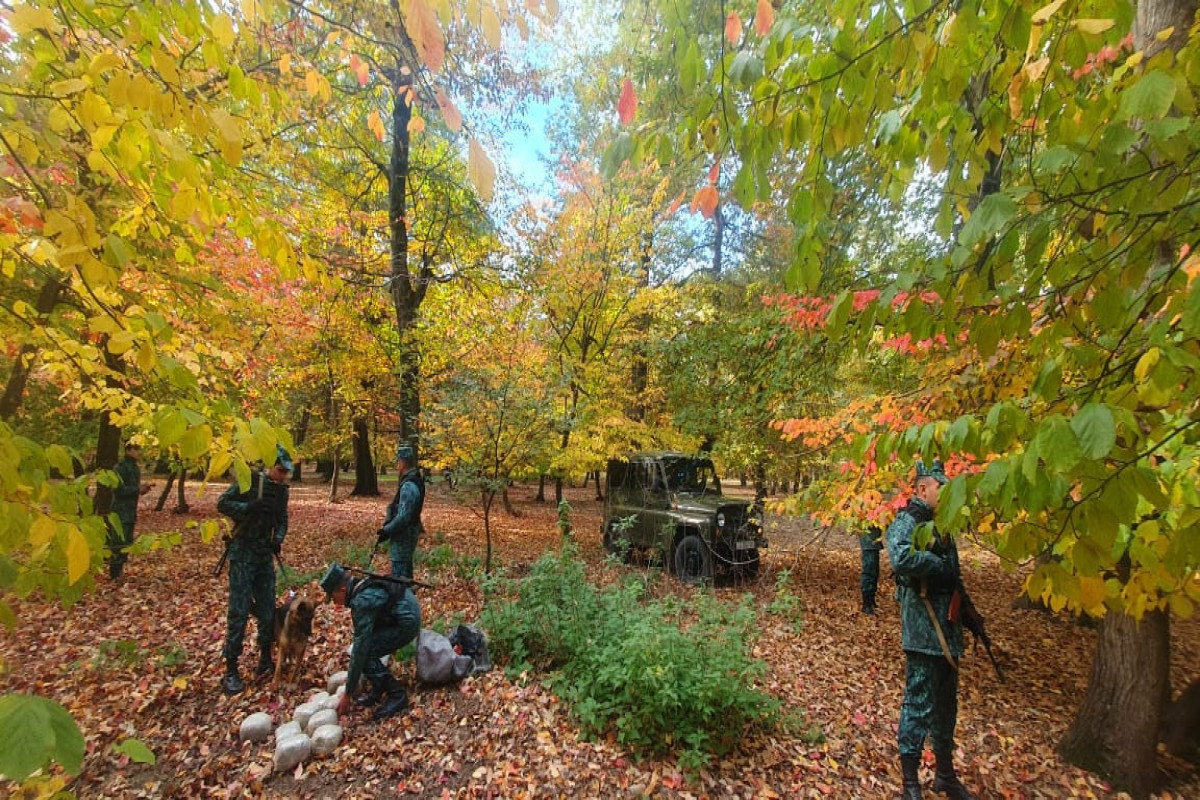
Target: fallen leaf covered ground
x,y
142,660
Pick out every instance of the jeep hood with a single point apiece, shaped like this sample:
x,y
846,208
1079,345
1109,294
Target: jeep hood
x,y
704,503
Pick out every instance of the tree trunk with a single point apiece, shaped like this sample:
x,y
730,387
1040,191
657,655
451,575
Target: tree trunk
x,y
166,492
599,488
333,477
487,496
181,504
14,390
366,482
1115,733
299,433
541,493
407,294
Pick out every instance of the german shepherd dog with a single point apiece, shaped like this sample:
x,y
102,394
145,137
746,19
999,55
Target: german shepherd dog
x,y
293,627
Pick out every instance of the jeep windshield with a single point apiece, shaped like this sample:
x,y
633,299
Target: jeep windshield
x,y
691,476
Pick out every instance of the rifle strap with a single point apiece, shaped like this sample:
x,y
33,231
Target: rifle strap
x,y
937,627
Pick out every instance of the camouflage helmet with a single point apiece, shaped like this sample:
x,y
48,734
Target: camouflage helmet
x,y
934,470
335,578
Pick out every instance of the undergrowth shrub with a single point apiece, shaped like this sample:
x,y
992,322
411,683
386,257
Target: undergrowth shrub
x,y
661,675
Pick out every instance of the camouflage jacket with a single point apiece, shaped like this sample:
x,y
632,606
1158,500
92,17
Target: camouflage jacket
x,y
402,524
127,492
255,533
935,571
371,603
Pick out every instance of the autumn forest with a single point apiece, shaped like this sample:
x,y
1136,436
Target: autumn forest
x,y
814,242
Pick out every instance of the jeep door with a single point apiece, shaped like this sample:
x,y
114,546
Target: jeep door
x,y
656,505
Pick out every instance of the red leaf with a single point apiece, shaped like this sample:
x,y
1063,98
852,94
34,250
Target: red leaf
x,y
705,201
627,105
715,172
733,28
764,17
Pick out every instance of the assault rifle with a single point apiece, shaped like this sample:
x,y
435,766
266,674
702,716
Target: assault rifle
x,y
389,578
972,620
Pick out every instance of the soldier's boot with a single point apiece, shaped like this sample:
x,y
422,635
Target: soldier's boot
x,y
868,602
265,668
946,781
232,683
910,766
397,699
373,694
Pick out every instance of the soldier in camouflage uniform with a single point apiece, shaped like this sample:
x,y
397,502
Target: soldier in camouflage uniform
x,y
125,506
928,579
871,543
402,524
386,617
260,517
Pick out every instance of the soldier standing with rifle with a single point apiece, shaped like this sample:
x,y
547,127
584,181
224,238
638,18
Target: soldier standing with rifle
x,y
931,597
402,524
260,517
386,617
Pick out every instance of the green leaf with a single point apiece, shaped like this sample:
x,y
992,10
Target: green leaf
x,y
35,731
889,126
1058,445
616,155
993,213
1149,98
994,478
136,751
746,67
1095,429
838,314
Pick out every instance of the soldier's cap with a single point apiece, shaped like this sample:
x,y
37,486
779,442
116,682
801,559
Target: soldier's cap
x,y
934,470
283,458
406,452
335,578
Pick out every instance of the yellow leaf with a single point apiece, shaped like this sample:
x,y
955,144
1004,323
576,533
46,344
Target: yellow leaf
x,y
1093,25
491,27
481,170
375,124
1146,364
426,33
312,83
24,19
416,125
1164,34
42,531
179,683
79,555
222,29
146,358
1046,12
450,112
120,342
285,64
1091,593
1035,69
227,124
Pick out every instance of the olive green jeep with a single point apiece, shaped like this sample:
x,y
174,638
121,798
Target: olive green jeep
x,y
670,505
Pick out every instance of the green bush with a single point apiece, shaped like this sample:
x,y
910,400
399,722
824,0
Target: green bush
x,y
662,676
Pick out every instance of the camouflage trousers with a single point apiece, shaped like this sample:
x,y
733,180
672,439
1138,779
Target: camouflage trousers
x,y
400,628
120,536
870,571
930,706
251,589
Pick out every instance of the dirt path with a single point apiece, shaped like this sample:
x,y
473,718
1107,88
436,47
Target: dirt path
x,y
142,660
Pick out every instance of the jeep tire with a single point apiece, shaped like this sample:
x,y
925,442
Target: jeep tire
x,y
693,562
